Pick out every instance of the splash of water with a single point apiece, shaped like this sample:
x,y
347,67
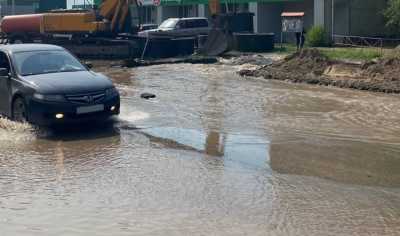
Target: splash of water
x,y
134,116
15,130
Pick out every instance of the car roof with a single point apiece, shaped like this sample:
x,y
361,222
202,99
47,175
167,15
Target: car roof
x,y
194,18
13,48
189,18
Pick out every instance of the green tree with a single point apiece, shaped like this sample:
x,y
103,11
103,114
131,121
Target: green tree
x,y
392,15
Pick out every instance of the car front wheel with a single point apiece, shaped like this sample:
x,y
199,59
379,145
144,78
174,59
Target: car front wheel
x,y
19,110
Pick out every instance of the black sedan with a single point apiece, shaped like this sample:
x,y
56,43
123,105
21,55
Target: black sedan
x,y
46,85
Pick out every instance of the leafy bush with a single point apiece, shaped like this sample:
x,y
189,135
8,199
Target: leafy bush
x,y
392,16
317,37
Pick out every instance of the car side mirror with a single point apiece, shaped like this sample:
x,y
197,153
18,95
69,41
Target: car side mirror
x,y
4,72
89,65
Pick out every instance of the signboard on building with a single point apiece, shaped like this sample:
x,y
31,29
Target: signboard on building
x,y
156,2
292,22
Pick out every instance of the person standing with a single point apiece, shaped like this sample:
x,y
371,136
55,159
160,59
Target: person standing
x,y
300,39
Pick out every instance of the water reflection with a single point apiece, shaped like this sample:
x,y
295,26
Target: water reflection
x,y
242,151
215,144
60,157
84,131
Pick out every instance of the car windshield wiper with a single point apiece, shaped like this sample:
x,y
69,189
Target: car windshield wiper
x,y
28,74
40,73
71,70
50,71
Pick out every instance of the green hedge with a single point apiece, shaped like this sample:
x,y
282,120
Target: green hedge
x,y
317,37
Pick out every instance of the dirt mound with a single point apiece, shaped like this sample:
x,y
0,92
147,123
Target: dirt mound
x,y
304,62
307,63
310,66
383,69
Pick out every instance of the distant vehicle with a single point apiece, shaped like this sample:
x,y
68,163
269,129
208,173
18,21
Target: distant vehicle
x,y
180,27
46,85
148,27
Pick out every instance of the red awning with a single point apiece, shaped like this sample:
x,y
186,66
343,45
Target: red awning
x,y
293,14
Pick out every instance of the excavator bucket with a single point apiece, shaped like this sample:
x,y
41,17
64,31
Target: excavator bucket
x,y
117,12
217,43
220,39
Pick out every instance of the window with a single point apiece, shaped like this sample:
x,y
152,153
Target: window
x,y
169,24
195,23
182,24
4,62
43,62
190,24
201,23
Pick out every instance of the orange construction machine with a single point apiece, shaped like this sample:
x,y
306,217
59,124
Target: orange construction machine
x,y
102,26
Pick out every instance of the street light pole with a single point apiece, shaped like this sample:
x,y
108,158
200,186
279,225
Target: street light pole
x,y
13,7
333,20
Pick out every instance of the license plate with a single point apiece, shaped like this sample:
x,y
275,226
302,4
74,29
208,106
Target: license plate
x,y
90,109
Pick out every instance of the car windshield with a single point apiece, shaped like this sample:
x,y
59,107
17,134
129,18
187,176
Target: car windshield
x,y
44,62
168,24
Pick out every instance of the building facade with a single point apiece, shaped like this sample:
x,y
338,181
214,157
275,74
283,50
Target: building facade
x,y
342,17
17,7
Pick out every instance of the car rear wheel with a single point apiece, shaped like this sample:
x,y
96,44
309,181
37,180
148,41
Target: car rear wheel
x,y
19,110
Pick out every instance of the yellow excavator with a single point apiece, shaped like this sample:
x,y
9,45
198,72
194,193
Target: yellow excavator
x,y
106,32
119,15
91,32
112,16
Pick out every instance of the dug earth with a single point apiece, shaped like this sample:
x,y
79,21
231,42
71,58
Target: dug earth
x,y
312,67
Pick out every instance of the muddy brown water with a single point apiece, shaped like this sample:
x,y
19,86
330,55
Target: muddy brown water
x,y
213,154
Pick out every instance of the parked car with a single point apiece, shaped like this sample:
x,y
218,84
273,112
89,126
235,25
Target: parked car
x,y
180,27
46,85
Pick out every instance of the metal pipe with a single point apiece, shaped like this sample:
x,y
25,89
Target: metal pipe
x,y
13,7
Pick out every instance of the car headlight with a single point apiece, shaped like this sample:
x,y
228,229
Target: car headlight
x,y
49,97
111,92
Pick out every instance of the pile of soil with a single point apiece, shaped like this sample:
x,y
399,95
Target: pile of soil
x,y
307,62
383,69
312,67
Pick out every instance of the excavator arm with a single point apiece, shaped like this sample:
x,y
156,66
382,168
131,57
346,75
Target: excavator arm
x,y
116,11
215,7
219,39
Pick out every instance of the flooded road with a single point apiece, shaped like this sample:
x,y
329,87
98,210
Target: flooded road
x,y
213,154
